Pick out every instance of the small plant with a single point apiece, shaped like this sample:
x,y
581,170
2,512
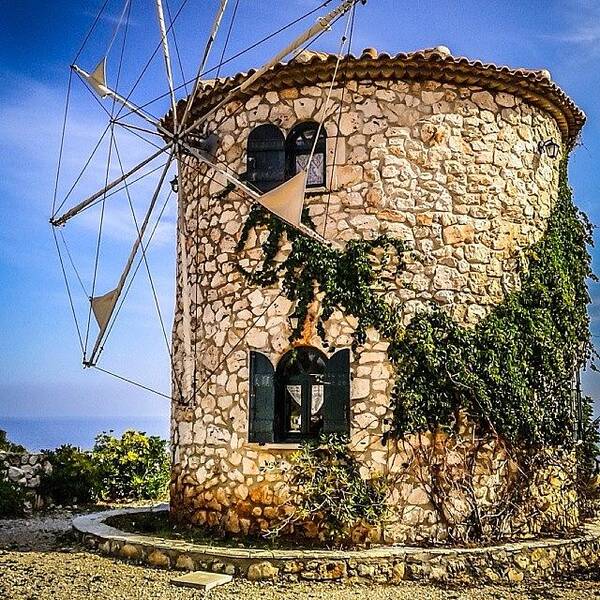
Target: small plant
x,y
7,446
135,467
73,478
328,482
12,500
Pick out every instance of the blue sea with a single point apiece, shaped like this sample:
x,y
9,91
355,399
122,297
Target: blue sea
x,y
49,433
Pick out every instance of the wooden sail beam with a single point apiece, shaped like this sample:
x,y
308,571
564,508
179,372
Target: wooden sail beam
x,y
57,221
209,44
322,24
167,59
98,83
110,299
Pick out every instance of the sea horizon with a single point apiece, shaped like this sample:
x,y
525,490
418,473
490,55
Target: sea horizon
x,y
47,433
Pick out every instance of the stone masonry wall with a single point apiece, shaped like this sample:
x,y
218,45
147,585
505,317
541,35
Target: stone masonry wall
x,y
454,171
25,470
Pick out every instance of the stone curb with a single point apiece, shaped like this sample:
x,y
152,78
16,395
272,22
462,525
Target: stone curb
x,y
513,562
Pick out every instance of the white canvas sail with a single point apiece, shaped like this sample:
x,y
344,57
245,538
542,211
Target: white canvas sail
x,y
102,307
287,200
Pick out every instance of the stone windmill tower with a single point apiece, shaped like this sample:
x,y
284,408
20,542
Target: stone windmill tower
x,y
454,157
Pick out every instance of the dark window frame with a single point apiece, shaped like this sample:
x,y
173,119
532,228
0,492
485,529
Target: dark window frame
x,y
298,144
265,157
293,361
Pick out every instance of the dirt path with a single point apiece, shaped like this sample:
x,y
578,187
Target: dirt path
x,y
40,560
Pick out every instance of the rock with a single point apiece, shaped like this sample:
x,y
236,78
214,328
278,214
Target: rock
x,y
261,571
514,576
159,559
348,174
456,234
484,100
15,474
185,562
505,100
399,571
432,97
130,552
361,388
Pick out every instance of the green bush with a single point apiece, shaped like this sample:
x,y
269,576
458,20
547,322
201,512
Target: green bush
x,y
12,499
328,481
135,467
7,446
74,477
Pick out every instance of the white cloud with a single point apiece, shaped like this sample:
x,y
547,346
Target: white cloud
x,y
582,25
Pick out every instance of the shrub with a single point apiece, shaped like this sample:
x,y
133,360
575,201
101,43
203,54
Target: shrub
x,y
135,467
7,446
12,499
327,479
73,478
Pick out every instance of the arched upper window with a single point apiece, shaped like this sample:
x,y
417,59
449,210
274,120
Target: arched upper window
x,y
266,157
298,147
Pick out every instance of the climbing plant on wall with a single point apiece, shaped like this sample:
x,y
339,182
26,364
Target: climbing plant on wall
x,y
345,278
512,373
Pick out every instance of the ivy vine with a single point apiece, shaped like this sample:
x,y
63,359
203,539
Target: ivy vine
x,y
346,277
513,372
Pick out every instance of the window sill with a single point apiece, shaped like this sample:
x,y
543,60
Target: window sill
x,y
274,446
316,191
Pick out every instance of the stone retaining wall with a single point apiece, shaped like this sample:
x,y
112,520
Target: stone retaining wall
x,y
25,469
531,560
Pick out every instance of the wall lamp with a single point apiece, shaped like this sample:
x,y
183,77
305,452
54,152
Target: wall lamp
x,y
174,184
550,147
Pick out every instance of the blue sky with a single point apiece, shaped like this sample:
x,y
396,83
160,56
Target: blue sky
x,y
40,363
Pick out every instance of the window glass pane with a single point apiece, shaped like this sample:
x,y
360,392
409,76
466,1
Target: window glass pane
x,y
316,409
301,162
317,399
316,172
299,145
294,400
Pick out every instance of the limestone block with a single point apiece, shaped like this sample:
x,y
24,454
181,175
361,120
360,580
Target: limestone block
x,y
456,234
304,108
261,571
361,388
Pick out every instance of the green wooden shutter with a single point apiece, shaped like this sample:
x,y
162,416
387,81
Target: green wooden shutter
x,y
336,407
262,399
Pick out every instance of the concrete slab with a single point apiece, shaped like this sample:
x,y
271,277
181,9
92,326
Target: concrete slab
x,y
202,580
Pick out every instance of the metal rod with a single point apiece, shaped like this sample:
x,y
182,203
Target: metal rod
x,y
85,203
93,356
321,24
202,67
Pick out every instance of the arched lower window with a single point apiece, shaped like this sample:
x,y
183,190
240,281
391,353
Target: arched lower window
x,y
266,157
307,394
299,393
298,147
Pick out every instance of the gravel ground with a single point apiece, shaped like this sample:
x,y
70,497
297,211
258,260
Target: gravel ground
x,y
39,559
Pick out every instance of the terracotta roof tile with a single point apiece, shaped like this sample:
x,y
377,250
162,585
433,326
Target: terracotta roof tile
x,y
438,64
